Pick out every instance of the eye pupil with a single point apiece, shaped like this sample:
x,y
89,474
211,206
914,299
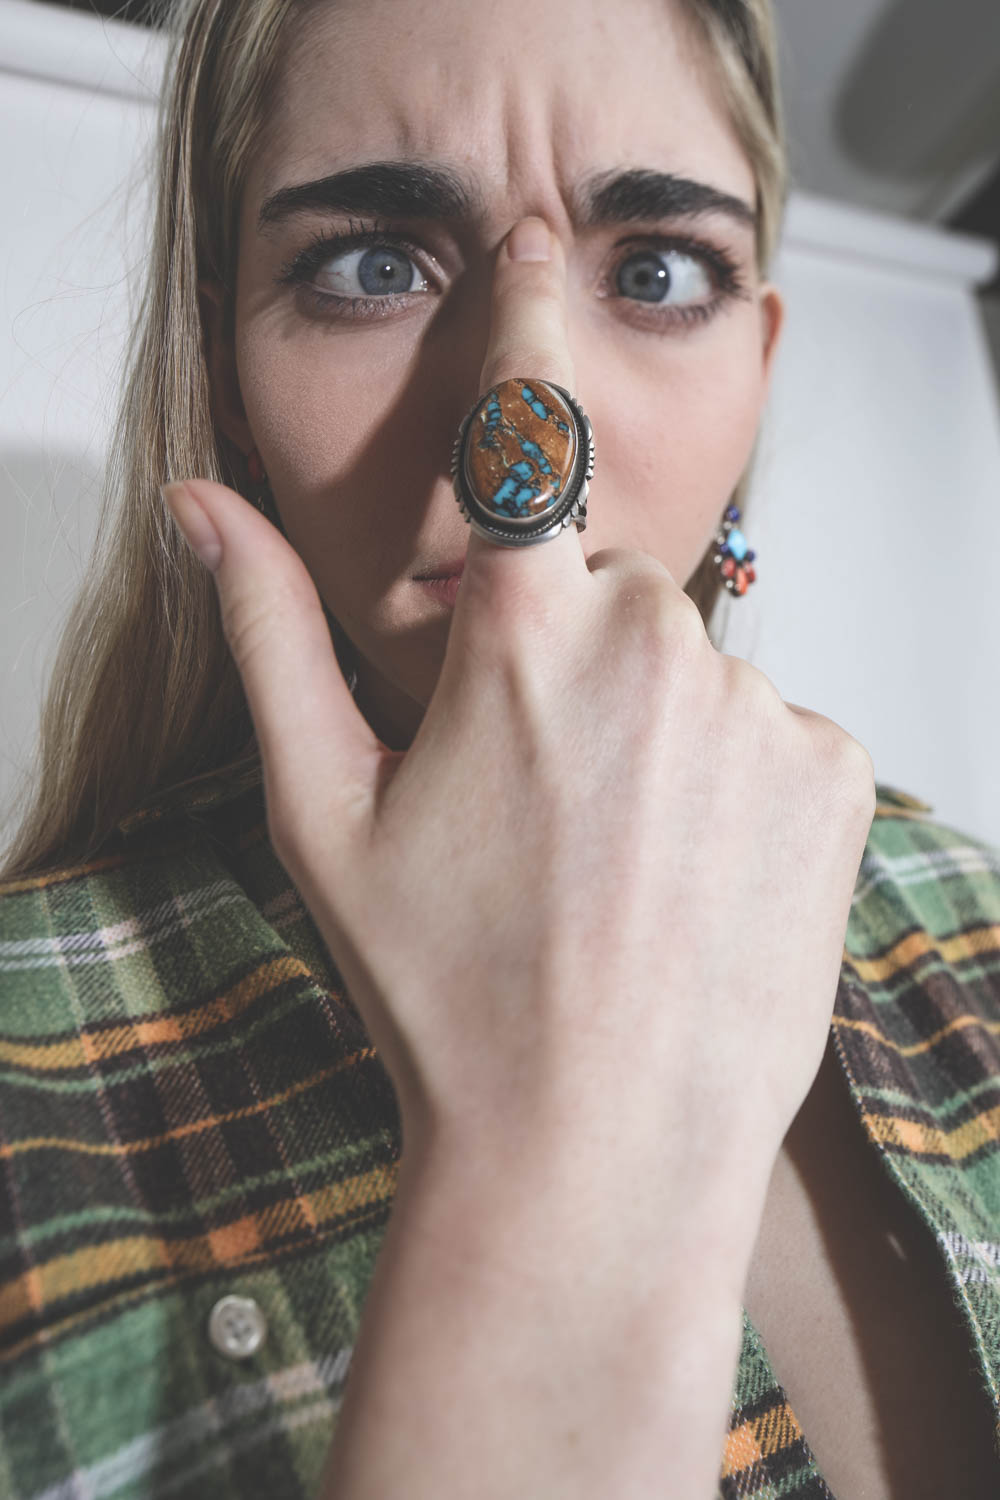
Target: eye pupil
x,y
385,270
644,276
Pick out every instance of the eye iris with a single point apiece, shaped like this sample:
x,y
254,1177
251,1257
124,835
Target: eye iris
x,y
644,276
385,270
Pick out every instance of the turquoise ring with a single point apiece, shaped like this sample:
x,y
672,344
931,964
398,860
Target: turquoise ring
x,y
522,463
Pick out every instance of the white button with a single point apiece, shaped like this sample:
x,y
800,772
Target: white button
x,y
237,1327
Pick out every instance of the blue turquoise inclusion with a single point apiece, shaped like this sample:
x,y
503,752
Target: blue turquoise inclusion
x,y
737,544
526,478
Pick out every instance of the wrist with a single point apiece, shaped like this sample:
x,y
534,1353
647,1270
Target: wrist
x,y
604,1218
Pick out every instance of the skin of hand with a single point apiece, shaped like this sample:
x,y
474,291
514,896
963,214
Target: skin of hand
x,y
609,853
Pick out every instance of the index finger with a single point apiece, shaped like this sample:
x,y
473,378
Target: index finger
x,y
528,341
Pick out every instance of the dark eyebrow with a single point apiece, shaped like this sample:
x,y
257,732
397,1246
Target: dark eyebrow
x,y
430,190
617,197
398,189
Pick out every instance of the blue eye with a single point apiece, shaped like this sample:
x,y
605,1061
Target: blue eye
x,y
379,270
360,273
663,275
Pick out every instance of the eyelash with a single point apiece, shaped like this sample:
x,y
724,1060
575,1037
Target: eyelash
x,y
299,270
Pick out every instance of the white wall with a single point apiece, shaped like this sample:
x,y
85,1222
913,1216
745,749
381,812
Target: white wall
x,y
73,187
877,497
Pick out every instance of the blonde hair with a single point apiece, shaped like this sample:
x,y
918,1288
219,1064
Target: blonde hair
x,y
144,697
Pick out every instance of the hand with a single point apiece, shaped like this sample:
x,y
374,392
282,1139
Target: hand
x,y
601,899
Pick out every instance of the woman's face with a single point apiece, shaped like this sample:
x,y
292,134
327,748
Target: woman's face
x,y
356,358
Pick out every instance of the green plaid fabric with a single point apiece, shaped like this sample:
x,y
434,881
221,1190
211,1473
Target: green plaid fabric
x,y
190,1107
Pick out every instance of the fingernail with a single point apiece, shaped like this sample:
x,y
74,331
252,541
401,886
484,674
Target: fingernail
x,y
530,240
194,524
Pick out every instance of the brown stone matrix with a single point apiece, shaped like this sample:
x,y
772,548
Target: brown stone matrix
x,y
522,449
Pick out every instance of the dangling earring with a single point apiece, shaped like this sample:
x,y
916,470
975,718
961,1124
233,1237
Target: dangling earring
x,y
734,556
263,499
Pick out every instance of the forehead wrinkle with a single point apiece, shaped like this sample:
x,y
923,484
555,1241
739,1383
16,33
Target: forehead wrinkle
x,y
515,143
543,149
504,152
529,147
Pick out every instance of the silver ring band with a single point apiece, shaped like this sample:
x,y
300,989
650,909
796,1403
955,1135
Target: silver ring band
x,y
522,463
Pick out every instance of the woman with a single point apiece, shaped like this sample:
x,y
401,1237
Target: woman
x,y
588,885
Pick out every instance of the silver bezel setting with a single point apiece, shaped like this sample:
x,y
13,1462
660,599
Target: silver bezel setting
x,y
572,505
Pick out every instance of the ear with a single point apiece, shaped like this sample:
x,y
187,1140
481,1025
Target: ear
x,y
772,318
220,357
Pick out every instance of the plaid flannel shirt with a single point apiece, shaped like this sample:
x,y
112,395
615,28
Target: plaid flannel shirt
x,y
191,1108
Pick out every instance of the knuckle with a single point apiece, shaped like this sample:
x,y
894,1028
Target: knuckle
x,y
638,575
685,616
857,771
610,560
841,753
668,625
527,288
686,627
525,357
843,771
754,689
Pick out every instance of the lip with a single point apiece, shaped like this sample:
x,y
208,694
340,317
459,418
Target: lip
x,y
442,581
441,571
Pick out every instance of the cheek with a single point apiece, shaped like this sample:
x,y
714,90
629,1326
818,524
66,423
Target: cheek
x,y
672,444
313,417
321,424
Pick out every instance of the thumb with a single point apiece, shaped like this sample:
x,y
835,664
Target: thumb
x,y
315,745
